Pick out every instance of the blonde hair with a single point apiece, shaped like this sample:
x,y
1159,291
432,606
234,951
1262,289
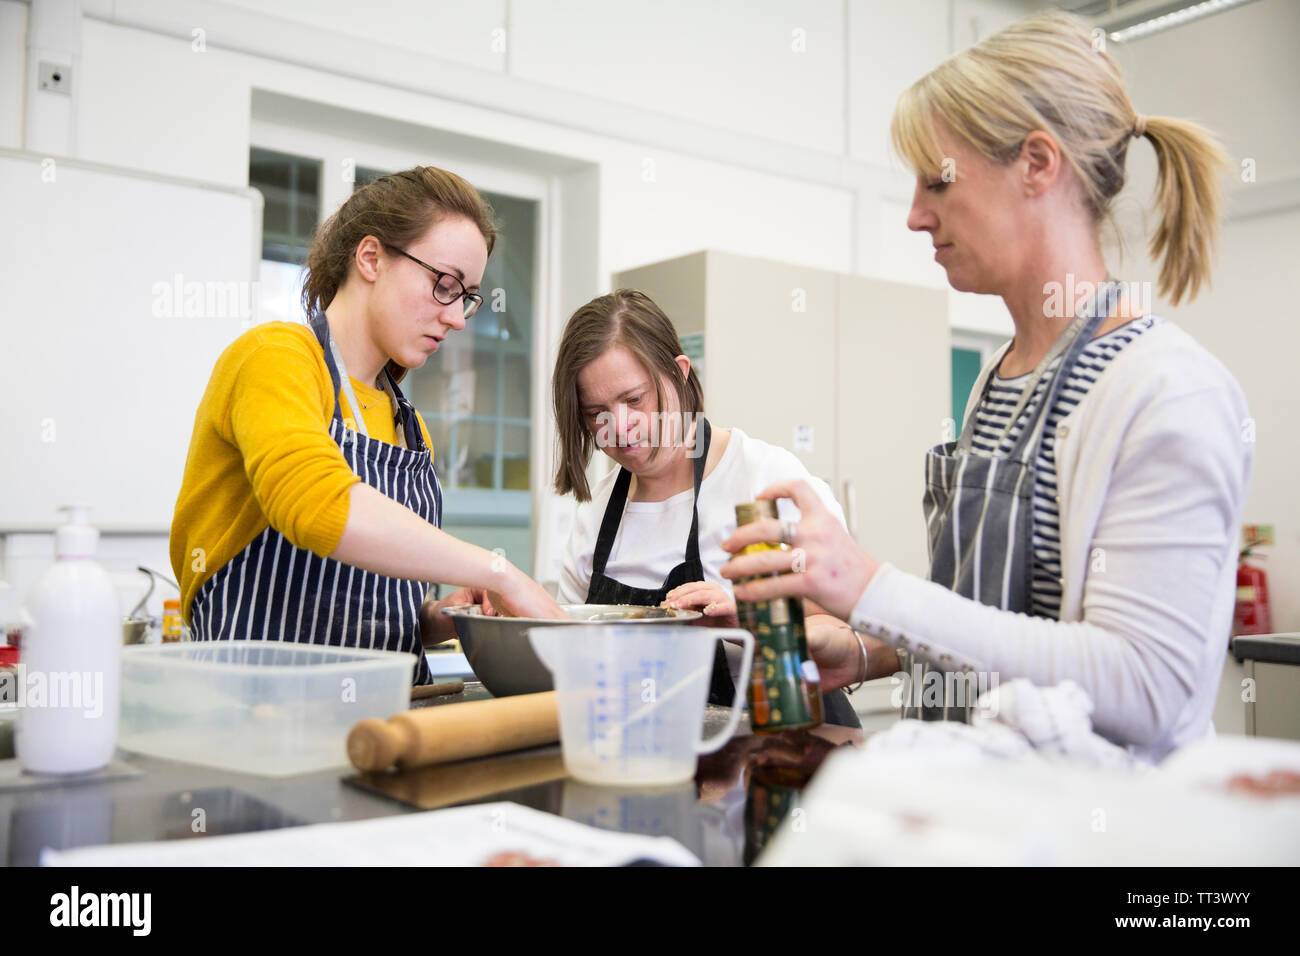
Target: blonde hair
x,y
1050,72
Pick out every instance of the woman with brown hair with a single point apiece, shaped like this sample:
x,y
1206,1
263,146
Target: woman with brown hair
x,y
310,510
1084,526
650,531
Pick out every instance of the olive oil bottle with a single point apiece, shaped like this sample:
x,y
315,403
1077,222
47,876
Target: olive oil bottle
x,y
785,686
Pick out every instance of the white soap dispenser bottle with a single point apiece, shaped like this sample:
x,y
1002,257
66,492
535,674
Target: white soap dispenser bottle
x,y
70,666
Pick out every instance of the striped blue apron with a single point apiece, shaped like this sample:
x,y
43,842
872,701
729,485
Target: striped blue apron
x,y
979,517
274,591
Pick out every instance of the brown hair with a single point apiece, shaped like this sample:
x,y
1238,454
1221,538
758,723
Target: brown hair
x,y
625,318
1050,72
396,209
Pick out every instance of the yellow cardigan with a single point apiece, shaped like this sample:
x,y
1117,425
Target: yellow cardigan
x,y
261,454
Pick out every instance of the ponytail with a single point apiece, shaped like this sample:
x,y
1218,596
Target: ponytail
x,y
1188,201
1051,72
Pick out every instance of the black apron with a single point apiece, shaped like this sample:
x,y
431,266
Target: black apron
x,y
277,592
605,590
979,509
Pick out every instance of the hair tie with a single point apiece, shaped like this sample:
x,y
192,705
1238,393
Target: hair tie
x,y
1140,125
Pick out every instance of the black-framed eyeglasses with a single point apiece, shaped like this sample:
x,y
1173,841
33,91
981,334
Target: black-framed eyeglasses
x,y
448,289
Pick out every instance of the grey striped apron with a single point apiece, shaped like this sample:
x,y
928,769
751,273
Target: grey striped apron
x,y
274,591
979,518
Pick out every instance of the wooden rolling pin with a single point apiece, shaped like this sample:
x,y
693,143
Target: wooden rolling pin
x,y
417,738
421,691
448,784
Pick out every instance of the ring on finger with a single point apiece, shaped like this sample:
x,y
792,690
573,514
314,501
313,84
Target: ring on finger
x,y
788,531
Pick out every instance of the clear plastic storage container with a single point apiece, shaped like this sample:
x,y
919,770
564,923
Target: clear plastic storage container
x,y
262,707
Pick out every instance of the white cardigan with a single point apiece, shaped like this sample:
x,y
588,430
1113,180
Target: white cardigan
x,y
1152,470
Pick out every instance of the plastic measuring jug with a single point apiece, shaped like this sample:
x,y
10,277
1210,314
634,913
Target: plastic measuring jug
x,y
632,698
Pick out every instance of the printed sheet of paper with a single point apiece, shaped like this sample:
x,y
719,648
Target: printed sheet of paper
x,y
491,834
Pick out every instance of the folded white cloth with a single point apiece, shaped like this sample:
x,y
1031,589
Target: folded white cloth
x,y
1016,719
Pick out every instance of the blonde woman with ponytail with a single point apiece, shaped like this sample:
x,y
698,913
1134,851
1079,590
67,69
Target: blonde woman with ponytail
x,y
1084,525
309,510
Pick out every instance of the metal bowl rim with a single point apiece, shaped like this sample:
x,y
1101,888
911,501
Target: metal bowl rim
x,y
461,611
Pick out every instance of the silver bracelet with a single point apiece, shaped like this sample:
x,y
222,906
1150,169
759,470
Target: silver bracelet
x,y
862,645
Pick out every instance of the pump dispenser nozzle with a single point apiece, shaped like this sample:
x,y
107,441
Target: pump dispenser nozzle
x,y
75,538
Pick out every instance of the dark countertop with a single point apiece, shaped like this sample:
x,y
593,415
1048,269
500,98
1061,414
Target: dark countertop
x,y
708,816
1271,648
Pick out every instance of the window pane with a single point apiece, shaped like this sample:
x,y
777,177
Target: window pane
x,y
440,435
365,176
486,380
428,393
280,291
515,457
516,386
290,186
482,440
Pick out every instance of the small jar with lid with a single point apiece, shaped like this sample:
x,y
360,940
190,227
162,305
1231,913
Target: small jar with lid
x,y
173,626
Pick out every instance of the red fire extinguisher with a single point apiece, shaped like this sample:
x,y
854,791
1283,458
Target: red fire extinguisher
x,y
1252,614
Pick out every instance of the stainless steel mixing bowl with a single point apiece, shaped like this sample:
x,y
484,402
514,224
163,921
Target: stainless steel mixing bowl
x,y
499,652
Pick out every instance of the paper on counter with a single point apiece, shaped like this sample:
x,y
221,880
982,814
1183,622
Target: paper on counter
x,y
1214,762
965,808
496,834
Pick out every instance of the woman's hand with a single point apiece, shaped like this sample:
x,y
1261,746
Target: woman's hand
x,y
521,596
711,599
833,646
475,596
527,599
824,564
436,627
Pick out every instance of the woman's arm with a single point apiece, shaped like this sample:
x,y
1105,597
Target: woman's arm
x,y
387,538
839,655
1167,528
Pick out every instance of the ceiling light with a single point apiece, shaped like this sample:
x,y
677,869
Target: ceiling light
x,y
1173,18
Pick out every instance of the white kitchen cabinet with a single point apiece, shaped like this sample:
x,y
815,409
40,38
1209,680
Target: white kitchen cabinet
x,y
894,384
861,365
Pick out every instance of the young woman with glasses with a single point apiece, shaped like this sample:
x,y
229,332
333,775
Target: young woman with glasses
x,y
309,509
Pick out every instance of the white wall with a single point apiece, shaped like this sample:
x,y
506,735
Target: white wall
x,y
197,124
1251,324
13,63
449,29
767,68
1244,87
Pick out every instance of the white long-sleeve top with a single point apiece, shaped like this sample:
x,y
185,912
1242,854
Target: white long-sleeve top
x,y
1153,468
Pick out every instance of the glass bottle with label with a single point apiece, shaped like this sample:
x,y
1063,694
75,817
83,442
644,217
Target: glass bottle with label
x,y
785,685
172,623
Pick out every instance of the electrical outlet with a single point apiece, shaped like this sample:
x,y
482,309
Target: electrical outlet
x,y
55,77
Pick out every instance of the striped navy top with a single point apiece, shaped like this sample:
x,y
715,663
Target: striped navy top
x,y
991,417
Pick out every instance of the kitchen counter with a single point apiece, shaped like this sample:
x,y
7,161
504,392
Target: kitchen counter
x,y
168,800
